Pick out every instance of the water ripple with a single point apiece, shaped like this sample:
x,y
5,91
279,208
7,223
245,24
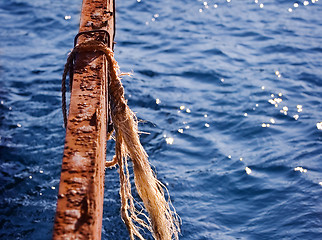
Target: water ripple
x,y
228,92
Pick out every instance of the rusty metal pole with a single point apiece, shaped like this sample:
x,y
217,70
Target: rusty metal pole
x,y
81,190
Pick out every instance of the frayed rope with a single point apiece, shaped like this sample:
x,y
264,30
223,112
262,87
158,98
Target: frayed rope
x,y
162,221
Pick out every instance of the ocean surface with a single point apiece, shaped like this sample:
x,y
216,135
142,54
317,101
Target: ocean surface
x,y
229,91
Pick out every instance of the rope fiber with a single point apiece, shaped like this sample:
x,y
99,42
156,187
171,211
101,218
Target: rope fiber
x,y
162,221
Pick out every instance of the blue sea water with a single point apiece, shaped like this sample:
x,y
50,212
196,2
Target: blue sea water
x,y
229,92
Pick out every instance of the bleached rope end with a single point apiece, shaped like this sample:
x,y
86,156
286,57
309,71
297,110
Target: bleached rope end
x,y
163,221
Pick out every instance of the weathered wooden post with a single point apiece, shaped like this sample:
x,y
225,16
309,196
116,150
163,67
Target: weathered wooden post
x,y
81,190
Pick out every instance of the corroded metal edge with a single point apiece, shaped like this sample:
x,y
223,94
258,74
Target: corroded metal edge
x,y
81,190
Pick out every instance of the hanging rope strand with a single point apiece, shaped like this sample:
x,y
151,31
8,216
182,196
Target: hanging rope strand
x,y
67,69
164,221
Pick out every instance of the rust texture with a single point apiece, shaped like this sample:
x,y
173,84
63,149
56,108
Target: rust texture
x,y
81,190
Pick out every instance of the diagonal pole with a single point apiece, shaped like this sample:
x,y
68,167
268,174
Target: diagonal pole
x,y
81,189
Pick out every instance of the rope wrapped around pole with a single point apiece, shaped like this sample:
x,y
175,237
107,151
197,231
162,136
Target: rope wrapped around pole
x,y
163,221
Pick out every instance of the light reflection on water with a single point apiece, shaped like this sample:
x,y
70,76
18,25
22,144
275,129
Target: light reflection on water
x,y
230,92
